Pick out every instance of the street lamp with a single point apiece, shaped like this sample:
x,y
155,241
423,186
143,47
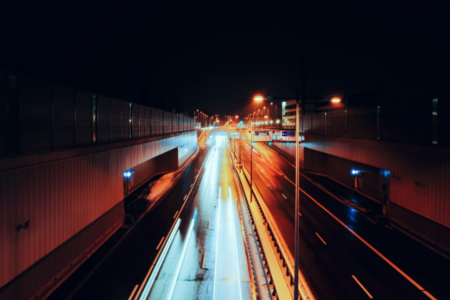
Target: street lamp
x,y
268,99
336,100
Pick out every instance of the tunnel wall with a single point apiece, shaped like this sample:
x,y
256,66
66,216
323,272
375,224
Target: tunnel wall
x,y
419,194
288,150
340,169
74,199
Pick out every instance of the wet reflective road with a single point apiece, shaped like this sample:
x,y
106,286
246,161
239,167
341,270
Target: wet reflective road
x,y
207,258
335,262
118,269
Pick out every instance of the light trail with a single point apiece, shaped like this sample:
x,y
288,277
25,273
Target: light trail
x,y
154,271
235,241
134,291
369,245
368,294
177,272
321,238
217,244
160,243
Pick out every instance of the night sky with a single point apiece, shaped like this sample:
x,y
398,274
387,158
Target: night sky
x,y
216,55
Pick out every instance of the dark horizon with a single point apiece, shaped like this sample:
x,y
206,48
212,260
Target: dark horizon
x,y
217,58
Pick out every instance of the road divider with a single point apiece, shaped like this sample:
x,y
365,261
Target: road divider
x,y
277,255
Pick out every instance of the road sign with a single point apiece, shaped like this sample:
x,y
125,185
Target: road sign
x,y
262,136
288,136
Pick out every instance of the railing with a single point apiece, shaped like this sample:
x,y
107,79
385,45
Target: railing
x,y
38,117
423,121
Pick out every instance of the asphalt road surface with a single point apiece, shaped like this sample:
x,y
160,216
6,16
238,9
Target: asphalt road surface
x,y
382,263
209,227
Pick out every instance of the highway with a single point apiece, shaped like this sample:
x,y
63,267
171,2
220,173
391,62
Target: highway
x,y
344,254
206,258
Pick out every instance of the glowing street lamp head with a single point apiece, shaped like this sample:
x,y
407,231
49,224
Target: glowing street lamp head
x,y
258,98
335,100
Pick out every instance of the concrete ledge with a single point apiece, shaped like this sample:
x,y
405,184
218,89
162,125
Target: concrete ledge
x,y
428,149
22,161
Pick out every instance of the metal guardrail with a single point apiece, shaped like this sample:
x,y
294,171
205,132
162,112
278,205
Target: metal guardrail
x,y
284,257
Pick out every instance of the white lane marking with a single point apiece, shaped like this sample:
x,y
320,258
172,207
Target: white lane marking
x,y
132,293
368,294
175,214
321,238
368,245
284,196
217,244
162,239
203,260
185,197
230,195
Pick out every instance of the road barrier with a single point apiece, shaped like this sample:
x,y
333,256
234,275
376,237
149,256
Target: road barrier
x,y
280,261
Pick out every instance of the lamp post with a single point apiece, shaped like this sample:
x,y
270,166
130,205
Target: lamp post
x,y
251,159
297,184
297,193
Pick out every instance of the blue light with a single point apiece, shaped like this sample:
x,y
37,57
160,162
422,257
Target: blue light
x,y
252,143
270,143
127,174
353,210
355,172
287,143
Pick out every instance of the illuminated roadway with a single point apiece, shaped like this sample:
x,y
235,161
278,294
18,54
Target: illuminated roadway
x,y
215,234
382,263
336,263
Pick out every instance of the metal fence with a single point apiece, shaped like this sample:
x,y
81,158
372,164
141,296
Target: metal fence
x,y
39,117
423,121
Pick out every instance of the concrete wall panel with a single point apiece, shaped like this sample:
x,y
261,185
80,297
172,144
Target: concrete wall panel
x,y
62,198
419,179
